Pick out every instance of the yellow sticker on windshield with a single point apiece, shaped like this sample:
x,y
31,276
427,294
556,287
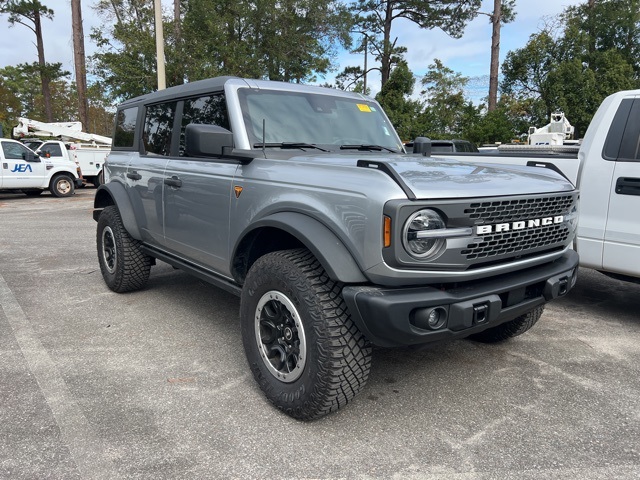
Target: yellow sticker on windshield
x,y
363,107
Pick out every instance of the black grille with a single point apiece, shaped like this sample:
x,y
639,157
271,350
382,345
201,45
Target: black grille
x,y
505,243
521,241
521,209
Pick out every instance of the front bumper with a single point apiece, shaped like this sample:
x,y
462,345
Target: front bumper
x,y
391,317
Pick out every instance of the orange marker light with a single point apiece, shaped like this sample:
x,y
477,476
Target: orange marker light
x,y
238,190
386,234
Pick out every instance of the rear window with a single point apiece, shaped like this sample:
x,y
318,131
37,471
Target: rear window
x,y
51,150
124,134
630,146
158,127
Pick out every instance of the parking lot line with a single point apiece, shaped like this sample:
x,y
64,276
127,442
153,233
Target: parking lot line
x,y
75,430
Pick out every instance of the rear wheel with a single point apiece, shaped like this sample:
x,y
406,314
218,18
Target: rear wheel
x,y
62,185
98,180
306,354
123,265
510,329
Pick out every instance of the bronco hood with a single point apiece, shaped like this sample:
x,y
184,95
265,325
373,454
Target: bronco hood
x,y
442,178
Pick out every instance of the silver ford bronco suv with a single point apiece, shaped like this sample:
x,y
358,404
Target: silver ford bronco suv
x,y
302,201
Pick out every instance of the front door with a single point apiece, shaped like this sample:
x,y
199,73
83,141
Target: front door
x,y
19,167
197,197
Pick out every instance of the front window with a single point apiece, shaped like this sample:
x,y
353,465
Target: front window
x,y
14,151
315,119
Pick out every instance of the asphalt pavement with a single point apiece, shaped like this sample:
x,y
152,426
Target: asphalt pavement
x,y
154,384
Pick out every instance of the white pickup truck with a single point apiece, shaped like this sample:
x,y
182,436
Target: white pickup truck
x,y
607,172
33,173
90,157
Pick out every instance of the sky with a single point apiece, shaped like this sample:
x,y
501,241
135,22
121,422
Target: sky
x,y
468,55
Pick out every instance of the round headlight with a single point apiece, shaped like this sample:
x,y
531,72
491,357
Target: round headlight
x,y
419,246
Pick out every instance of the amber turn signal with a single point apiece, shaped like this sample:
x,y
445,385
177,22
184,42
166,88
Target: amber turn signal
x,y
386,234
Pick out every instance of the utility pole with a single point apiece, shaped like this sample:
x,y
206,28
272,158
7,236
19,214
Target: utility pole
x,y
157,7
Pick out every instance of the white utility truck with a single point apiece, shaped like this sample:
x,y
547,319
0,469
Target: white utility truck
x,y
607,172
26,171
88,149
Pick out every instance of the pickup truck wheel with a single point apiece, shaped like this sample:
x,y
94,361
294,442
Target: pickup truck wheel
x,y
61,186
510,329
98,180
124,266
306,354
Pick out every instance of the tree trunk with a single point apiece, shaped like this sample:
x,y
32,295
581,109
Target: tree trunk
x,y
385,60
496,20
44,74
80,64
178,77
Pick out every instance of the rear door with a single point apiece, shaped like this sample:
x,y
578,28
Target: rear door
x,y
17,170
622,235
145,172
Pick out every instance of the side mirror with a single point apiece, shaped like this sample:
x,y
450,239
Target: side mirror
x,y
31,157
422,145
207,140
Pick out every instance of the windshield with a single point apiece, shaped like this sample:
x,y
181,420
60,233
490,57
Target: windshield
x,y
314,118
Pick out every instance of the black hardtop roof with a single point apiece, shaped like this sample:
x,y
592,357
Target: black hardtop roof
x,y
186,90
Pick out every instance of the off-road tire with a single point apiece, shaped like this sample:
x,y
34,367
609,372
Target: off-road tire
x,y
32,192
337,358
124,266
62,185
510,329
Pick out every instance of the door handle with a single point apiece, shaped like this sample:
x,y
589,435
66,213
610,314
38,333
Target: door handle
x,y
628,186
134,175
173,182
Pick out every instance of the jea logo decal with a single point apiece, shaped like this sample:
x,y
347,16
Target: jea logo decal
x,y
21,168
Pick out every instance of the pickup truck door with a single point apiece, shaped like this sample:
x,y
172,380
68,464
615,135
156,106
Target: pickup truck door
x,y
621,251
17,171
622,236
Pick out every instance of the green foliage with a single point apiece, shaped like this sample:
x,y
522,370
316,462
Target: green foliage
x,y
290,40
507,123
21,96
596,54
446,101
21,10
374,18
403,112
23,83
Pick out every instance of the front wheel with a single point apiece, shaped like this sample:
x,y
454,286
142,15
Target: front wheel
x,y
510,329
62,186
124,266
306,354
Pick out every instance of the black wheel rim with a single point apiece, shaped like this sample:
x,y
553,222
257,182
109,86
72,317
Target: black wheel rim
x,y
280,336
109,253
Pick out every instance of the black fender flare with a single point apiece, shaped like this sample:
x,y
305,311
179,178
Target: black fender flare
x,y
330,251
114,193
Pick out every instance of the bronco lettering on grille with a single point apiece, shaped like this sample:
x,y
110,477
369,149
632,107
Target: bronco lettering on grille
x,y
521,225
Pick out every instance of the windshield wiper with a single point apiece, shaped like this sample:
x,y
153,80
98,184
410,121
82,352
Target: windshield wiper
x,y
288,145
365,146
